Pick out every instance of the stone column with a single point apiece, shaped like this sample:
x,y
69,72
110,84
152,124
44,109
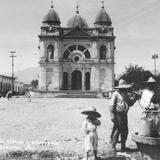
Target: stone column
x,y
83,79
109,77
60,77
56,76
42,49
56,56
109,50
95,78
42,78
94,50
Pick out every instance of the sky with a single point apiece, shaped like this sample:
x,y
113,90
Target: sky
x,y
136,27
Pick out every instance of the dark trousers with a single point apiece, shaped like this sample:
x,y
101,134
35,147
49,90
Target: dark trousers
x,y
119,128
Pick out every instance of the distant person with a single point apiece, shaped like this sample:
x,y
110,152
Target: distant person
x,y
90,129
9,95
28,94
120,102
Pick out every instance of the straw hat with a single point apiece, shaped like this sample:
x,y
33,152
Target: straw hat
x,y
91,110
151,80
123,84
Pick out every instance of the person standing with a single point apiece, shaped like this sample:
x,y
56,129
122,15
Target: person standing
x,y
150,98
28,95
150,105
120,102
9,95
90,129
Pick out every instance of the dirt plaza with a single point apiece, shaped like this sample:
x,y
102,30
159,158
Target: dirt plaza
x,y
55,124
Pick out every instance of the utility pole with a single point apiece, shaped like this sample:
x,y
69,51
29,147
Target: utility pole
x,y
154,57
12,56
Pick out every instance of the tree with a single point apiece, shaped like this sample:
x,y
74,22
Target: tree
x,y
135,74
34,83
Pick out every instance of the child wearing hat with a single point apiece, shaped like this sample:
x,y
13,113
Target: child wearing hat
x,y
90,129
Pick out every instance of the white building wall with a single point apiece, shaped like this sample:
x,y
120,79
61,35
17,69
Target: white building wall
x,y
94,78
42,78
42,49
55,78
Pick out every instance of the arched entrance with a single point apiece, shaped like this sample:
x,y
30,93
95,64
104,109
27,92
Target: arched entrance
x,y
76,80
87,81
65,81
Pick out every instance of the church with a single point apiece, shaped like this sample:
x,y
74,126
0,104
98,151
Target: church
x,y
76,57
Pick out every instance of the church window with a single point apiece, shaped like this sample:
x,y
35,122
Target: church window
x,y
76,58
66,54
72,48
103,52
50,52
87,54
76,48
81,48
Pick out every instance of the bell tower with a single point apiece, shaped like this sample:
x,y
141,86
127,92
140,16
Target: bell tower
x,y
49,51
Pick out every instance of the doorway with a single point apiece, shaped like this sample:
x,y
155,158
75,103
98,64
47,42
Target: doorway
x,y
87,81
76,80
65,81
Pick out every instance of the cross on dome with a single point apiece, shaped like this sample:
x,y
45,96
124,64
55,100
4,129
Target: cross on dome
x,y
77,8
51,3
102,3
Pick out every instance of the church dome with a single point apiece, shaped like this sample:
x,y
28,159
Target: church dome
x,y
52,17
77,21
103,18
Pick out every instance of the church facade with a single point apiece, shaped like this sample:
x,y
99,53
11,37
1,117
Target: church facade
x,y
76,57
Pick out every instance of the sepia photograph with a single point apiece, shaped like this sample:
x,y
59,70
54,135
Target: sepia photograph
x,y
79,80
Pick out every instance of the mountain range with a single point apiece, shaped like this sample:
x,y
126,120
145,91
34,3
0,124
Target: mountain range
x,y
27,75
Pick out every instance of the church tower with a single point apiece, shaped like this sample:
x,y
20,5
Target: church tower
x,y
76,57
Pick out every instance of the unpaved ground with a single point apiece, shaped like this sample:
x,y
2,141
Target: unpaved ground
x,y
54,124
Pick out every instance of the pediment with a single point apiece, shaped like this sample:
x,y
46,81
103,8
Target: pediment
x,y
77,33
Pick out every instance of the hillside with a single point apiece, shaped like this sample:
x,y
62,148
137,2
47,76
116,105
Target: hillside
x,y
27,75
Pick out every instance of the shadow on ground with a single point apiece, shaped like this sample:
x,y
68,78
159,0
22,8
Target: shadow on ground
x,y
51,155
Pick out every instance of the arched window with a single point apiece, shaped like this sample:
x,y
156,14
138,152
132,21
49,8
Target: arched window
x,y
66,54
87,54
103,52
50,52
78,48
87,81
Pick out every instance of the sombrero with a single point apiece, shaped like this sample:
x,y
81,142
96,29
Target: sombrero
x,y
123,84
91,110
151,80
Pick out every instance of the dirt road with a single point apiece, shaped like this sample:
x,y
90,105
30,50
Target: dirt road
x,y
54,123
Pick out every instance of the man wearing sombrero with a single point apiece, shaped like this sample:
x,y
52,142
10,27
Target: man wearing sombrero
x,y
150,98
119,106
150,104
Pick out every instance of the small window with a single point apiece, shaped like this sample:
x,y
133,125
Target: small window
x,y
103,52
76,58
87,54
81,48
50,52
72,48
66,54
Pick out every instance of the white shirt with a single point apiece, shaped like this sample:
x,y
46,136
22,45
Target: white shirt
x,y
146,98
